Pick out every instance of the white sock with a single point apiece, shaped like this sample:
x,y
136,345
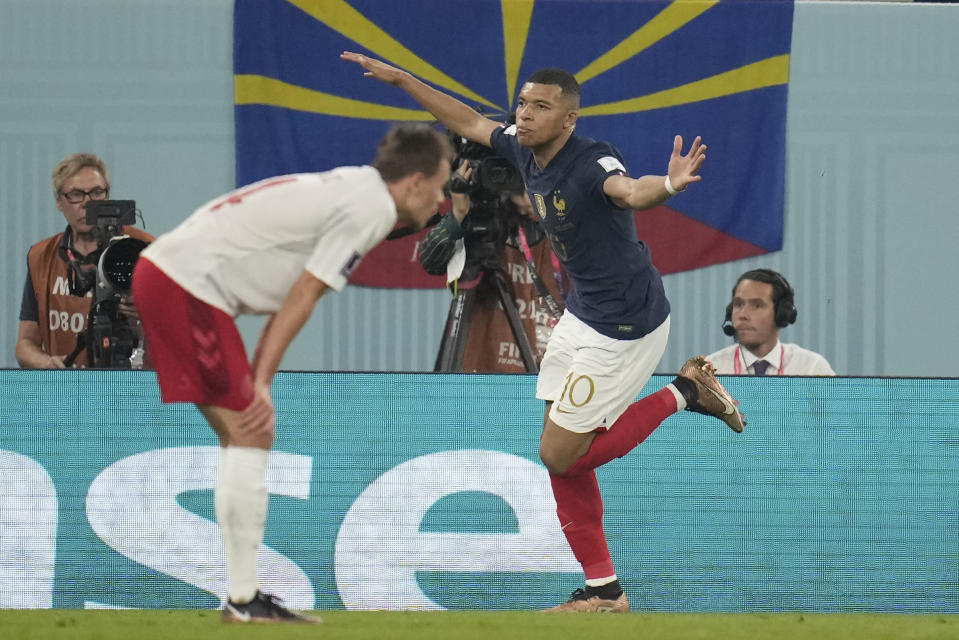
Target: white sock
x,y
680,400
219,493
598,582
240,501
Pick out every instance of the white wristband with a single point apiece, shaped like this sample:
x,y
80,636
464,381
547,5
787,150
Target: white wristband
x,y
669,187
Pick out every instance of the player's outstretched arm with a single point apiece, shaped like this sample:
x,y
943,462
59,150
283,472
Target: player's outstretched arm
x,y
452,113
649,191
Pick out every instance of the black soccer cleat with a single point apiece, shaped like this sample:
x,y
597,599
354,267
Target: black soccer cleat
x,y
264,608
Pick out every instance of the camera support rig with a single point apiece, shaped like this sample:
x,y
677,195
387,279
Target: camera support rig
x,y
450,355
492,176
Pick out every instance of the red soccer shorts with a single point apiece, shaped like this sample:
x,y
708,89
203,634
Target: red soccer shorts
x,y
195,348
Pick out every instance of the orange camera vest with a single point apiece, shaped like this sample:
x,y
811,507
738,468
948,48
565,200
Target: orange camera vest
x,y
61,316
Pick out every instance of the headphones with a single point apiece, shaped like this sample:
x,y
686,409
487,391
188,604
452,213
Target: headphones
x,y
783,299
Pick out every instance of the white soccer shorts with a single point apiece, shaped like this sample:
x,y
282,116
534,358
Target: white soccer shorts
x,y
591,378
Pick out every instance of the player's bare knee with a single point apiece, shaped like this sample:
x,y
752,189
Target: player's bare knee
x,y
556,463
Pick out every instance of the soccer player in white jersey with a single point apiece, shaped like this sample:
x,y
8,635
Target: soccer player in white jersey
x,y
271,248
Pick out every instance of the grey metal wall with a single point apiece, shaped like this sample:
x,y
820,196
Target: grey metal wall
x,y
871,195
870,207
144,84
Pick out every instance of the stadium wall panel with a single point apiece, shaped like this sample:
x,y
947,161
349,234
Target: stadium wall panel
x,y
424,491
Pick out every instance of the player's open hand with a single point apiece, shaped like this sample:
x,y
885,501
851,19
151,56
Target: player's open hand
x,y
683,169
375,68
256,421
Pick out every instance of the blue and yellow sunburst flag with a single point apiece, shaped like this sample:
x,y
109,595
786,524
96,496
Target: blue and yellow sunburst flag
x,y
648,70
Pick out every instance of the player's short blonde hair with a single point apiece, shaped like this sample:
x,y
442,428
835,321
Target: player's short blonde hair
x,y
71,165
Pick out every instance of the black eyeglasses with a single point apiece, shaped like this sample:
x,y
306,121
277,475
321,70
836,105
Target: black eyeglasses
x,y
76,196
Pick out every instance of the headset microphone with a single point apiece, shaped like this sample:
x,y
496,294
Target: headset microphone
x,y
728,328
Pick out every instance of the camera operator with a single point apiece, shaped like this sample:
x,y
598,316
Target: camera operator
x,y
500,237
61,270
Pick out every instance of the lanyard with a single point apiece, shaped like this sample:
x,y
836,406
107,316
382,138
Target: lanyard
x,y
538,284
524,247
739,360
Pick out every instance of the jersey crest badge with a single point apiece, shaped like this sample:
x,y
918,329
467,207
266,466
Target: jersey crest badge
x,y
559,204
540,205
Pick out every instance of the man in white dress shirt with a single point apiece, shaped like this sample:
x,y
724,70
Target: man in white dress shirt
x,y
763,303
271,248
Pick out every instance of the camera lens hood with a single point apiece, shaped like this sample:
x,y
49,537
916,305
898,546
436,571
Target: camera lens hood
x,y
118,260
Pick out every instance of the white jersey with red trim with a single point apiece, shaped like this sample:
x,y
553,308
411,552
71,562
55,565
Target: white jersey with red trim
x,y
784,360
243,251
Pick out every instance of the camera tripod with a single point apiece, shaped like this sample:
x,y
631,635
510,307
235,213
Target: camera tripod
x,y
450,355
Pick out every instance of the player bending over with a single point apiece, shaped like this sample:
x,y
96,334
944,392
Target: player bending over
x,y
271,248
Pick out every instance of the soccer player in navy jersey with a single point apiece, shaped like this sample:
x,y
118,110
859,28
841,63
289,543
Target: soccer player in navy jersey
x,y
616,324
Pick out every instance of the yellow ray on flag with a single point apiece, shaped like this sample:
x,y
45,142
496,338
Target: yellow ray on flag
x,y
517,15
765,73
671,18
254,89
341,17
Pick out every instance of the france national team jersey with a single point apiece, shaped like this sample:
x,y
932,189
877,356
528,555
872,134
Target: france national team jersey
x,y
615,288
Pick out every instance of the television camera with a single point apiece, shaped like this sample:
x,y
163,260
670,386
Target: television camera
x,y
491,221
112,339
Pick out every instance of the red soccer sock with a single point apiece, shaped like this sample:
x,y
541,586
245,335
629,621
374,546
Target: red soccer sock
x,y
638,421
579,506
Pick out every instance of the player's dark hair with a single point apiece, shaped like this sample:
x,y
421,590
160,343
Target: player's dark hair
x,y
560,77
411,148
784,298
